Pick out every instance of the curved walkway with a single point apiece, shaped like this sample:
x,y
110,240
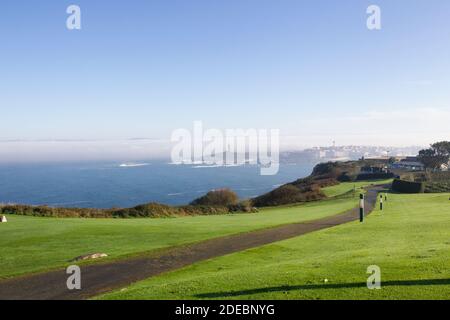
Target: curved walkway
x,y
101,278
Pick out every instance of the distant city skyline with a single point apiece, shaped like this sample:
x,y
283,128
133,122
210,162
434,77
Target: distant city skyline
x,y
142,69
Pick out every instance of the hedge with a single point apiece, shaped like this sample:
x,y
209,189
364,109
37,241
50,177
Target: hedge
x,y
375,176
403,186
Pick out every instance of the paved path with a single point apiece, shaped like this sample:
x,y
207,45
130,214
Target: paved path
x,y
101,278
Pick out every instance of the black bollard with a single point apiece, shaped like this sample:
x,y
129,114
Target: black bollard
x,y
361,207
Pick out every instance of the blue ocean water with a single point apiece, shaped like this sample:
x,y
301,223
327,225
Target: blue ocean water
x,y
107,185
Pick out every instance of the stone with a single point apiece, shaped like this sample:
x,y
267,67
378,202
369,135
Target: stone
x,y
91,256
3,219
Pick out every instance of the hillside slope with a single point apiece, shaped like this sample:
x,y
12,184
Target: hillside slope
x,y
310,188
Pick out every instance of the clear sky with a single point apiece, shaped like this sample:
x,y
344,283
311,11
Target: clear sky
x,y
141,69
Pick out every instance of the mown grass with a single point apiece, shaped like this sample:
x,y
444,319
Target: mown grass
x,y
409,241
347,187
32,244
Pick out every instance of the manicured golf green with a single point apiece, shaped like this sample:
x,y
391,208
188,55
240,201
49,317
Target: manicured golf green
x,y
31,244
346,187
409,241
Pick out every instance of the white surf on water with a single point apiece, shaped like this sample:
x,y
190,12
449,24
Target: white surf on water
x,y
131,165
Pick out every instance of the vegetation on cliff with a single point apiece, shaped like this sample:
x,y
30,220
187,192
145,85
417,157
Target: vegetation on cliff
x,y
323,175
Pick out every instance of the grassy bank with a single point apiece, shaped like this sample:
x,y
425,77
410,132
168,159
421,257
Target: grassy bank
x,y
32,244
409,241
346,187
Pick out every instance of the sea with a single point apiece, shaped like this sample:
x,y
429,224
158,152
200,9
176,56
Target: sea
x,y
120,185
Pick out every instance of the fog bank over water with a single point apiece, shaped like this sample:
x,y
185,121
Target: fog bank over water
x,y
135,151
379,127
82,150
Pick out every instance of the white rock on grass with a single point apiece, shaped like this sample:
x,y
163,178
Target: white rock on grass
x,y
3,219
91,256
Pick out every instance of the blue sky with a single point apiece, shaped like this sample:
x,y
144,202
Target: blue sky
x,y
144,68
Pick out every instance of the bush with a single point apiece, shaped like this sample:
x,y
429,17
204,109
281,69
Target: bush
x,y
44,211
289,194
203,210
326,168
408,186
150,210
222,197
434,182
345,177
437,187
375,176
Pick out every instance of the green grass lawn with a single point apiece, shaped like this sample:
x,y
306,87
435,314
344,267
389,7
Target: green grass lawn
x,y
31,244
345,187
409,241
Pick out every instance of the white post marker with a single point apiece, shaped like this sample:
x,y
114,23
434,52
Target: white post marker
x,y
361,207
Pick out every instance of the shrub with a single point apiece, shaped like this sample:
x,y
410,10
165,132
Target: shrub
x,y
437,187
374,176
345,177
204,210
44,211
403,186
150,210
245,206
325,168
222,197
288,194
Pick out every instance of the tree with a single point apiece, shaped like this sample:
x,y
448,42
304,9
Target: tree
x,y
442,148
436,156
